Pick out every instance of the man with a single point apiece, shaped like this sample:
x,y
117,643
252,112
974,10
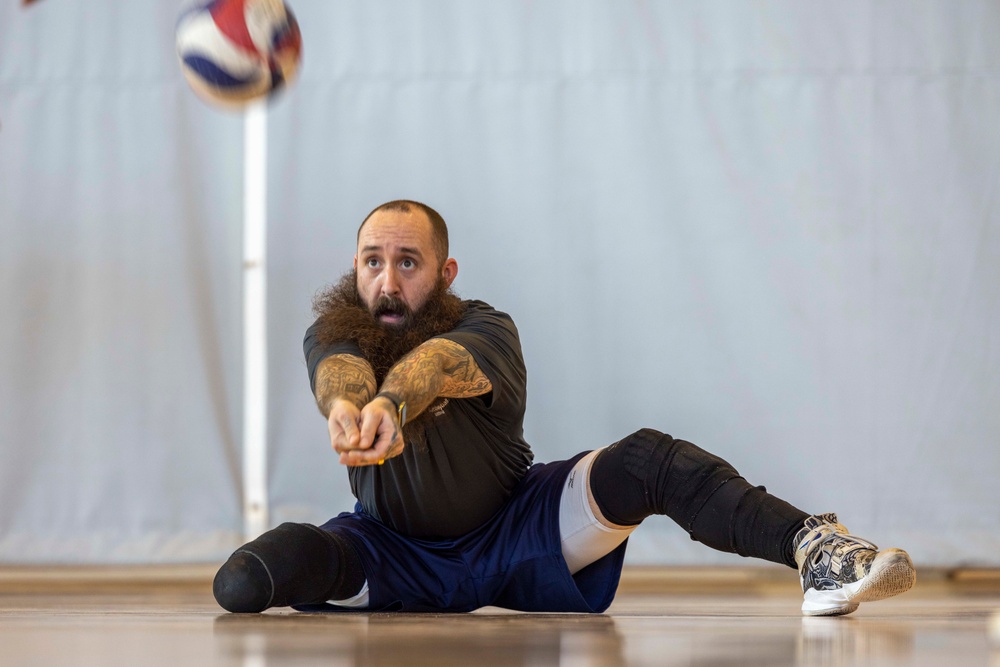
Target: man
x,y
424,396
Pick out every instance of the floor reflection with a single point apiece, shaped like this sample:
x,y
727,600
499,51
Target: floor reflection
x,y
847,640
353,640
952,635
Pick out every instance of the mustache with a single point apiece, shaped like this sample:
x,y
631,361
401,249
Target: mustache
x,y
390,305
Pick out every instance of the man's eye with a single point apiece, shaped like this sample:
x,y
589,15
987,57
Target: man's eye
x,y
373,263
408,264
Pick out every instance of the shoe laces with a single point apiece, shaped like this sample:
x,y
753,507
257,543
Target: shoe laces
x,y
828,556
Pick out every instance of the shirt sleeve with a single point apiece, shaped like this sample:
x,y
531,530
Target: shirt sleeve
x,y
316,352
492,339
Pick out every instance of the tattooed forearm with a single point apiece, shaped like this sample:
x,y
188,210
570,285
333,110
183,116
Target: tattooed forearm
x,y
344,376
438,367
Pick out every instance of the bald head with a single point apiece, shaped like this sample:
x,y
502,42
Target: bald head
x,y
439,230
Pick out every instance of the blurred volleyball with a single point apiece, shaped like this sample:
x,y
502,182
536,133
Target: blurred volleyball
x,y
235,51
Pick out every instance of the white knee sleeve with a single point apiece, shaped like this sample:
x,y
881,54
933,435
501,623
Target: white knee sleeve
x,y
585,538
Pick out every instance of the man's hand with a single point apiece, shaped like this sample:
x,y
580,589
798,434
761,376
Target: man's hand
x,y
344,423
368,436
364,428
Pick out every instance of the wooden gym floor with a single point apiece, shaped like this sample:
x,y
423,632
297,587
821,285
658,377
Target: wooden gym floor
x,y
166,616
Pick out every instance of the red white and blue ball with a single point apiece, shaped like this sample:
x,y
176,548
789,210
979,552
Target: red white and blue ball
x,y
235,51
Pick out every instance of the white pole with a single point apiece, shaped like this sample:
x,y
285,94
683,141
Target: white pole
x,y
255,503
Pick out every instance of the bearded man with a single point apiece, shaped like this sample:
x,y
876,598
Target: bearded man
x,y
424,396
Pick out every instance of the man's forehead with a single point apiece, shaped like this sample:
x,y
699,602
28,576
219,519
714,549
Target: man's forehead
x,y
396,229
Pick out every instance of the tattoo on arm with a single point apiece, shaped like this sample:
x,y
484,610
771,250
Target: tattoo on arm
x,y
344,376
438,367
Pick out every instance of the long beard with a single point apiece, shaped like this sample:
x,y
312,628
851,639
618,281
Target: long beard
x,y
344,316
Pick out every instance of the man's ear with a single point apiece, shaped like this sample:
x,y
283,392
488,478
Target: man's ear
x,y
355,262
449,271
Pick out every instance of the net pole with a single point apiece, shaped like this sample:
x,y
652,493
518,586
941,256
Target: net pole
x,y
255,399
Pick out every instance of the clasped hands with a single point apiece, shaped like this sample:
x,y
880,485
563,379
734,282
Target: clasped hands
x,y
365,436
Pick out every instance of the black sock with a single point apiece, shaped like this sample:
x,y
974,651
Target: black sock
x,y
295,563
652,473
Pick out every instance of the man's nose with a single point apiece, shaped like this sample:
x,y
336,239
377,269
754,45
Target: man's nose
x,y
390,282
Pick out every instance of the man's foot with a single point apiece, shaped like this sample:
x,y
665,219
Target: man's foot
x,y
839,571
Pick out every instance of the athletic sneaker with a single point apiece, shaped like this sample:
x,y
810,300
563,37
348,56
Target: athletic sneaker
x,y
839,570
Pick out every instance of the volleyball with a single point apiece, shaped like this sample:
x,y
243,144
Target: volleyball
x,y
233,52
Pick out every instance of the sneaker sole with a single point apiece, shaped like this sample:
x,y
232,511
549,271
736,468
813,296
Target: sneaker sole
x,y
891,573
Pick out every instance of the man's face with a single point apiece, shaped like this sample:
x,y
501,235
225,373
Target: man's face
x,y
397,267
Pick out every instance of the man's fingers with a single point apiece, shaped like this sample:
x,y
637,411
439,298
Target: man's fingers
x,y
350,436
343,426
379,437
386,441
369,429
361,457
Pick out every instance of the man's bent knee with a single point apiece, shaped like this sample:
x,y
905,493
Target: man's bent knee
x,y
650,472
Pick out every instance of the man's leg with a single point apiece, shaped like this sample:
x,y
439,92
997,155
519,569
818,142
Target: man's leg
x,y
652,473
296,563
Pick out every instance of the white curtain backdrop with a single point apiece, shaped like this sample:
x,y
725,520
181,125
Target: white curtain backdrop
x,y
770,228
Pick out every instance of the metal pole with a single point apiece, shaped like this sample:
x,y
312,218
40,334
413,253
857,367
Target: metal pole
x,y
255,504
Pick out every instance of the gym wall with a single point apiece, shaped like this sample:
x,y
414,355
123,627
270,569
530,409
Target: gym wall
x,y
769,228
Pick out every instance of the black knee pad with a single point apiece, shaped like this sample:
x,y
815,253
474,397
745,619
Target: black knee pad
x,y
243,584
296,563
652,473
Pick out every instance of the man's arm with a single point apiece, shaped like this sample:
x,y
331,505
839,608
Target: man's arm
x,y
437,367
344,384
343,376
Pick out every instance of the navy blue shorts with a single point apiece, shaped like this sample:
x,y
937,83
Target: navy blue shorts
x,y
514,560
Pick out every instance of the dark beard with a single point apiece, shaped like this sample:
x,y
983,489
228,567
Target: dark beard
x,y
344,316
